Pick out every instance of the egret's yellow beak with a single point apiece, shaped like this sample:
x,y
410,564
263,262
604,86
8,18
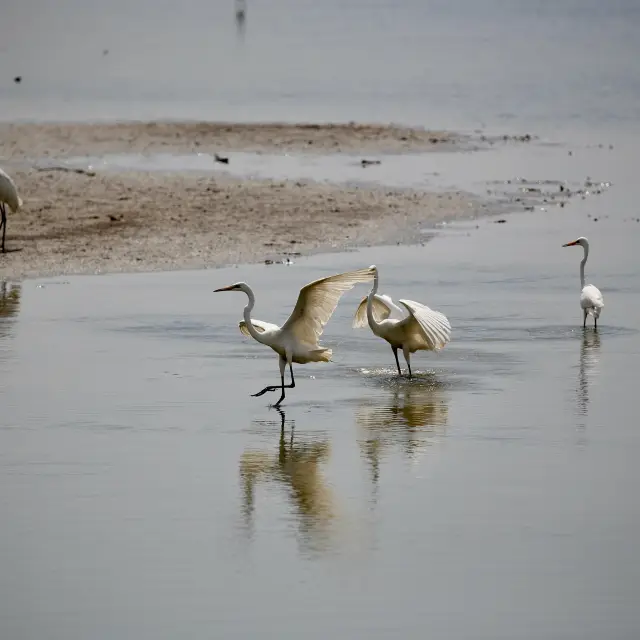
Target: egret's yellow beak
x,y
229,288
570,244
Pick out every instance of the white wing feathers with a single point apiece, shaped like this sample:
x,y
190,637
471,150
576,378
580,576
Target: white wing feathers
x,y
317,302
9,192
383,307
591,297
435,325
259,325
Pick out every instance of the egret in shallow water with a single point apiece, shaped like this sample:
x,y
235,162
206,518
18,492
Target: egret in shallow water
x,y
422,329
297,339
591,299
8,196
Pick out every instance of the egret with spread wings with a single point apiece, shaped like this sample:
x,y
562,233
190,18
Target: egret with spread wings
x,y
422,329
591,299
297,339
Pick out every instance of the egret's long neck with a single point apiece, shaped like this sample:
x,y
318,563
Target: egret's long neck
x,y
582,263
372,321
247,314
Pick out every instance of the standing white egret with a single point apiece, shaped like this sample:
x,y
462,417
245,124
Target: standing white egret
x,y
297,339
591,299
8,196
422,329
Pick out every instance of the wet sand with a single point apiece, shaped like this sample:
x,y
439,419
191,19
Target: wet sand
x,y
149,221
24,140
96,222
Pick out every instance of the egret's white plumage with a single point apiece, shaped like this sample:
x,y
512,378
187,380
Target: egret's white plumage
x,y
297,339
8,196
422,329
591,300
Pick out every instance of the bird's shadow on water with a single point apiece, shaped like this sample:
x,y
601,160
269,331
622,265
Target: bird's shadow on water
x,y
9,306
14,250
406,415
587,372
295,467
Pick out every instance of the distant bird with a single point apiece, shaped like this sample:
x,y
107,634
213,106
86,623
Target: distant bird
x,y
591,299
422,329
8,196
297,340
241,9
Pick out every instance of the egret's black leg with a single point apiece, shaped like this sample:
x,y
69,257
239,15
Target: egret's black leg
x,y
395,353
269,388
293,382
281,398
409,365
3,222
595,322
281,386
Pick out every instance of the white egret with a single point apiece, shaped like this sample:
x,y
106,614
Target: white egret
x,y
8,196
591,299
422,329
297,339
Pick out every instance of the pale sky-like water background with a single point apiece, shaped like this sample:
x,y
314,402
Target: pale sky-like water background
x,y
145,494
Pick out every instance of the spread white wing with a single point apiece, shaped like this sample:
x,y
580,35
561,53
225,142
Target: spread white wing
x,y
317,302
434,325
383,308
259,325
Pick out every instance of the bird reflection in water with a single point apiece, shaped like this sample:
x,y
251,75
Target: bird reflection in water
x,y
295,466
589,359
9,306
410,417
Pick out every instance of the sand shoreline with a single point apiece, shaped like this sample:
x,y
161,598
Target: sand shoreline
x,y
20,140
74,223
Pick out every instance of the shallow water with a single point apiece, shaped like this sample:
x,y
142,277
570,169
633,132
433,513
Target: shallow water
x,y
145,494
494,170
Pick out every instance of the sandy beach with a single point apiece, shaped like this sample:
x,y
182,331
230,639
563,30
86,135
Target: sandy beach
x,y
99,222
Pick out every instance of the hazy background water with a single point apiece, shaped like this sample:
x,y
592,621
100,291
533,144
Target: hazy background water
x,y
467,63
144,493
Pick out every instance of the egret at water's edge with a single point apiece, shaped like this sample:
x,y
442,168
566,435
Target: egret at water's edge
x,y
297,339
591,299
422,329
8,196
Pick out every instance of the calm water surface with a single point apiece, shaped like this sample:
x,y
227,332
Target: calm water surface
x,y
463,63
146,495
